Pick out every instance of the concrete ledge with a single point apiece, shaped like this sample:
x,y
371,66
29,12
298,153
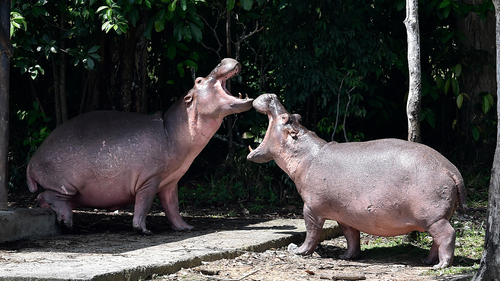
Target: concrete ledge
x,y
21,223
117,257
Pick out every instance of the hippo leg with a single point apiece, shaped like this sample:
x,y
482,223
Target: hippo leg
x,y
143,200
353,242
53,200
314,226
443,246
169,199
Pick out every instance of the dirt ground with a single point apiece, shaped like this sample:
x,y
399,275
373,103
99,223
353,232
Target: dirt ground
x,y
273,264
280,264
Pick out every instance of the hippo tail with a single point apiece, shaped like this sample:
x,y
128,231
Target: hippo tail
x,y
32,185
459,181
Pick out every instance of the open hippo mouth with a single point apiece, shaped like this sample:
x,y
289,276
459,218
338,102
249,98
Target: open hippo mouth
x,y
227,69
270,105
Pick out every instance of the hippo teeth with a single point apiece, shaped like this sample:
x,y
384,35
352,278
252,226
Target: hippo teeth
x,y
241,97
250,148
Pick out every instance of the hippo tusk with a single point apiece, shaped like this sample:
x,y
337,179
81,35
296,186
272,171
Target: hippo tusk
x,y
246,96
250,148
240,95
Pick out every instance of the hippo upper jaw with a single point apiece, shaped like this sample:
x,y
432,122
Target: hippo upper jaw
x,y
269,104
230,104
210,98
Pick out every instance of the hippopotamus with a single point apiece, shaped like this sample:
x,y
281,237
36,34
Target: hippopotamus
x,y
110,159
385,187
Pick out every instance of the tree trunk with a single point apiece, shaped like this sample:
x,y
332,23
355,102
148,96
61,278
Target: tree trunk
x,y
415,85
230,118
415,89
478,75
141,67
57,96
489,269
127,68
5,54
62,73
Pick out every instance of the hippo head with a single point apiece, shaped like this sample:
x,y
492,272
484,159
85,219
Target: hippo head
x,y
210,97
282,132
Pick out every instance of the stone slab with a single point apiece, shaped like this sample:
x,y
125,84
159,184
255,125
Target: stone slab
x,y
21,223
109,256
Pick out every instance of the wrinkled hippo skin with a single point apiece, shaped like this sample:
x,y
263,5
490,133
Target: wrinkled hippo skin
x,y
109,159
385,187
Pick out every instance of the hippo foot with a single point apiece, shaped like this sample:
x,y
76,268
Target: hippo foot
x,y
350,256
143,231
65,223
183,227
440,265
303,251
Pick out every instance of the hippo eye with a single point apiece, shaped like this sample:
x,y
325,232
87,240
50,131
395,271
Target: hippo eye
x,y
287,120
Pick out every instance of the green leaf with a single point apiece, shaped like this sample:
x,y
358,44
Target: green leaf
x,y
475,133
180,69
183,5
160,21
178,31
191,64
447,86
487,103
171,51
133,15
90,63
246,4
445,3
439,83
149,29
94,49
196,32
181,46
171,6
458,70
460,100
101,8
230,5
455,86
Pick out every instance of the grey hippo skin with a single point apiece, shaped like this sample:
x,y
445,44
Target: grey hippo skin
x,y
385,187
109,159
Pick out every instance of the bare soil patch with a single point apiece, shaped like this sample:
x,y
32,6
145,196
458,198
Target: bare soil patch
x,y
280,264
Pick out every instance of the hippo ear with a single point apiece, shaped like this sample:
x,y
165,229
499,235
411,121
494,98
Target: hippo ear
x,y
297,118
188,98
291,122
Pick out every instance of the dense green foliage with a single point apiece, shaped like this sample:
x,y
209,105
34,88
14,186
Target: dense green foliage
x,y
340,64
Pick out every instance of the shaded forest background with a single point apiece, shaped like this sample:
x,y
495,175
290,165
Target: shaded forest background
x,y
340,64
